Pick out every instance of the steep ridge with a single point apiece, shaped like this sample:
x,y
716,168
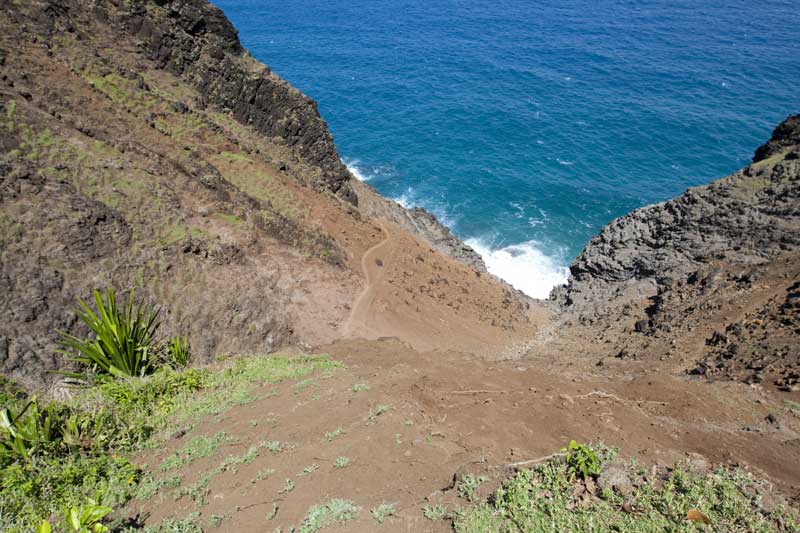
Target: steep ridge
x,y
707,280
140,146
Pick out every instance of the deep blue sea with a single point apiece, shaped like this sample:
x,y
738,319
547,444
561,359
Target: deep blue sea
x,y
526,126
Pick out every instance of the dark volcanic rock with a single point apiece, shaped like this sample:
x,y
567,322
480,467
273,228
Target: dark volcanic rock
x,y
745,219
419,222
787,134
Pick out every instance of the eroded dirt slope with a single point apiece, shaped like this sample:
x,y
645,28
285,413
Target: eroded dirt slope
x,y
140,146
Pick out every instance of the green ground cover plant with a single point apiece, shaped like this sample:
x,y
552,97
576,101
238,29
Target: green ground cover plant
x,y
54,456
550,497
332,512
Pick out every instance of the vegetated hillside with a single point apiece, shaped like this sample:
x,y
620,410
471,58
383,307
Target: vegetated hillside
x,y
141,146
708,279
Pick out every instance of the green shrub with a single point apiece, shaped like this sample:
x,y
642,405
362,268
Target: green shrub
x,y
123,343
582,461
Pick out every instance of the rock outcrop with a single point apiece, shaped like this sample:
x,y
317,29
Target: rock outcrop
x,y
745,219
419,222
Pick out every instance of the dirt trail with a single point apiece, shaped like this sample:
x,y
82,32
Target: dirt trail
x,y
433,302
372,270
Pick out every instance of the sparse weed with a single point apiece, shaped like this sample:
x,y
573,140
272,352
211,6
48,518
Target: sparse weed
x,y
263,474
302,385
288,487
544,499
216,519
434,512
272,514
273,446
309,470
341,462
150,486
198,490
382,511
468,486
330,435
197,448
358,387
377,411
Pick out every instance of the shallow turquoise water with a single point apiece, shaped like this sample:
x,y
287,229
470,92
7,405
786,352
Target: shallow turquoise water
x,y
526,127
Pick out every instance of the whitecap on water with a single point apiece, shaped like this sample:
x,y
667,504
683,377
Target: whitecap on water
x,y
359,173
524,266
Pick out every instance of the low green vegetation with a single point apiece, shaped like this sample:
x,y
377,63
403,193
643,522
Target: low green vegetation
x,y
582,461
377,411
198,447
383,511
468,486
335,511
60,456
434,512
561,495
341,462
330,435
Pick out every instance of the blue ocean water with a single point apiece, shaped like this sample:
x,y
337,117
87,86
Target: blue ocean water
x,y
526,126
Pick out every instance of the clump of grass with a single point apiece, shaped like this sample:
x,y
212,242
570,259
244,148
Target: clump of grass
x,y
382,511
263,474
358,387
216,519
232,462
434,512
468,486
335,511
330,435
342,462
273,446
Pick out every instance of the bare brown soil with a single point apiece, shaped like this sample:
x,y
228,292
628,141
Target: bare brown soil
x,y
450,413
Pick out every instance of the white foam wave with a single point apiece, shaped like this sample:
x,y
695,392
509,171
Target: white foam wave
x,y
355,170
524,266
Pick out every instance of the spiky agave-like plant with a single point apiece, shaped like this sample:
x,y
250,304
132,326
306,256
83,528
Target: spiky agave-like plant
x,y
124,338
179,352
